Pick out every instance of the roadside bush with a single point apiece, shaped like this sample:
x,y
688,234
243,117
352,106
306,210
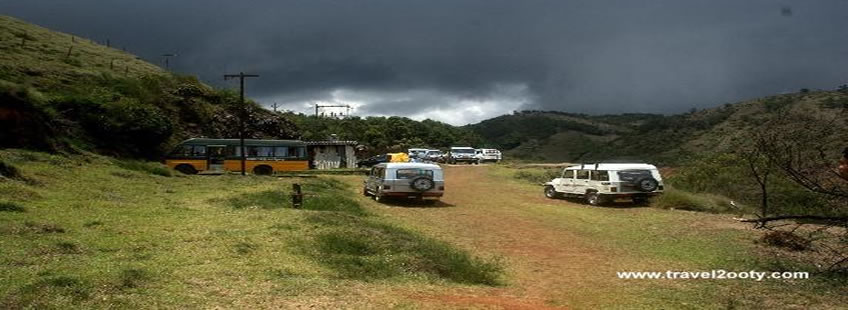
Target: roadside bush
x,y
726,175
786,239
682,200
25,119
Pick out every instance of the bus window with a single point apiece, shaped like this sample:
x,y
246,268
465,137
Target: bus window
x,y
182,150
199,150
264,151
234,151
281,151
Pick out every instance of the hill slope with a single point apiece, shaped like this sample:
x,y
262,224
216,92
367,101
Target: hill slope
x,y
64,93
558,136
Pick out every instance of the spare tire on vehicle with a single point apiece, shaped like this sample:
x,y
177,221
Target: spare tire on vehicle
x,y
422,184
648,184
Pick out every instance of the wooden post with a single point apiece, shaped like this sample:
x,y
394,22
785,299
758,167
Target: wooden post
x,y
70,48
297,196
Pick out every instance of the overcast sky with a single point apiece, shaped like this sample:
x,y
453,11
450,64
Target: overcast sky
x,y
464,61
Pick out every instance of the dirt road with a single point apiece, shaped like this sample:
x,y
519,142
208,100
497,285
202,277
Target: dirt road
x,y
549,266
565,254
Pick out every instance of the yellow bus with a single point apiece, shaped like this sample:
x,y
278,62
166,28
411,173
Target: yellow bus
x,y
264,157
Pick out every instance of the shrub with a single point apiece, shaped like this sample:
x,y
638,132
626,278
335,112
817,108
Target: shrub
x,y
682,200
785,239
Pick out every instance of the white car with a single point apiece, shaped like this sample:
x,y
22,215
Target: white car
x,y
600,183
422,182
462,154
417,152
434,156
487,155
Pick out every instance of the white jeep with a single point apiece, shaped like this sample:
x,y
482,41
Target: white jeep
x,y
484,155
600,183
462,154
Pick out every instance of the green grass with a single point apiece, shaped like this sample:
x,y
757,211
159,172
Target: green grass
x,y
96,234
11,207
678,240
146,167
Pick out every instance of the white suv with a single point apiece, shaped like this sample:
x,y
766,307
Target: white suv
x,y
484,155
462,154
600,183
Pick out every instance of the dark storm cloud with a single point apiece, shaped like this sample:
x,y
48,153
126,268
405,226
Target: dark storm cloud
x,y
451,58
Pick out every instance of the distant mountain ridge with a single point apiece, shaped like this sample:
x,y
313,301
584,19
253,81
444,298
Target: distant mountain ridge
x,y
568,137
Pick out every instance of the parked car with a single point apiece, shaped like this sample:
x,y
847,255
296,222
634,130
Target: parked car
x,y
435,156
601,183
417,153
487,155
371,161
460,154
419,181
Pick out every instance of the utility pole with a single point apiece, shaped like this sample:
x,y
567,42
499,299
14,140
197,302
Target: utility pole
x,y
167,56
241,77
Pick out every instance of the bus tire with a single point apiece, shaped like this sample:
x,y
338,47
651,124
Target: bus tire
x,y
263,170
186,169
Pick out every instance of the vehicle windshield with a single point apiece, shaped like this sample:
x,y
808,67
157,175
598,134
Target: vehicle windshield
x,y
463,151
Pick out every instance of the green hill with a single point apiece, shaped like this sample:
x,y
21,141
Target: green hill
x,y
565,137
69,94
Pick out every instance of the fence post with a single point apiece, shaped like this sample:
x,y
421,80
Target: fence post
x,y
297,196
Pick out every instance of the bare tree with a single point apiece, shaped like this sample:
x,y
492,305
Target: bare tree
x,y
804,146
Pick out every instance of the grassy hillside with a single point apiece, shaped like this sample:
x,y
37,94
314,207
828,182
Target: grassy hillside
x,y
65,93
557,136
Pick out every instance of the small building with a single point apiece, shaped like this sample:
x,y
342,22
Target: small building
x,y
331,154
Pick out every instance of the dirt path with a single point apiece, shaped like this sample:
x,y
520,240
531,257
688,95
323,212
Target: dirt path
x,y
548,267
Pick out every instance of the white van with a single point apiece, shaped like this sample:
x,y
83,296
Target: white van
x,y
422,182
600,183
